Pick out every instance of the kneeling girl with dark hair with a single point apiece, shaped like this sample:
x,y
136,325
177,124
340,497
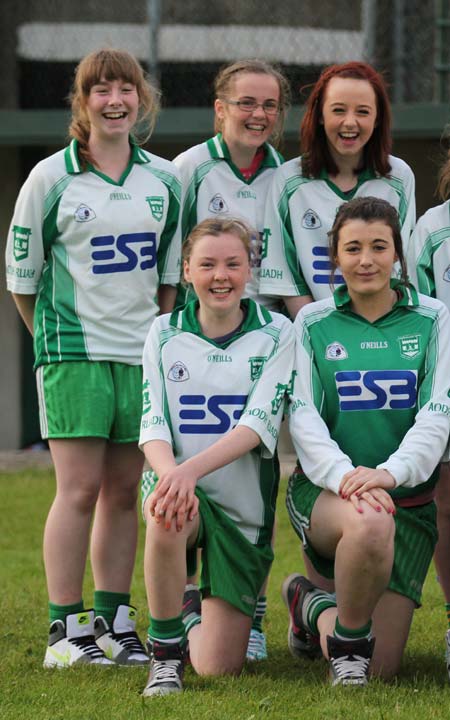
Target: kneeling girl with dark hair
x,y
370,422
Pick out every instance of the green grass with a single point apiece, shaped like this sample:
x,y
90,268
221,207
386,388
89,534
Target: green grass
x,y
278,688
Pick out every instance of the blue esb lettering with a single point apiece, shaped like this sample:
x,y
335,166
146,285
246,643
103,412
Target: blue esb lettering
x,y
376,389
224,409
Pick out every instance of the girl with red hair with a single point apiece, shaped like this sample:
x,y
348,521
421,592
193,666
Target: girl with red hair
x,y
345,153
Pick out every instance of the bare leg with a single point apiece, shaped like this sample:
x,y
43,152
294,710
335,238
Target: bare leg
x,y
441,554
78,466
391,624
114,532
218,645
165,566
363,548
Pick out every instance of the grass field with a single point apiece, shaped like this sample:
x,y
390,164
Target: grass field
x,y
277,688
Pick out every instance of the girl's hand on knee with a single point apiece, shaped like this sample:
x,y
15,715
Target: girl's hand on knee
x,y
377,498
362,479
174,497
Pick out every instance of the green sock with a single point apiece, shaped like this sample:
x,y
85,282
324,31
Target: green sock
x,y
447,610
260,611
105,603
344,633
60,612
315,603
167,631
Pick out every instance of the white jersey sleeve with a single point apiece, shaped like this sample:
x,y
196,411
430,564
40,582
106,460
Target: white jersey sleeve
x,y
266,400
320,457
155,423
25,246
279,276
425,443
429,253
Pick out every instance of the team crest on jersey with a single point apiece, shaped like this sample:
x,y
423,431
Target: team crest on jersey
x,y
311,220
256,366
217,204
146,402
21,242
446,275
336,351
156,205
409,346
84,213
178,372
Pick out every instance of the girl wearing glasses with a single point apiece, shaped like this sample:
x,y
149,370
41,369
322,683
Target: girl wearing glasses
x,y
345,145
229,174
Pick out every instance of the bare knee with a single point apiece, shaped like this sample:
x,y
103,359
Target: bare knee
x,y
81,495
216,666
372,532
119,492
162,541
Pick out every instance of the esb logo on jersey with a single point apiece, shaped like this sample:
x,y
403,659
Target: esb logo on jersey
x,y
376,389
128,249
322,267
213,415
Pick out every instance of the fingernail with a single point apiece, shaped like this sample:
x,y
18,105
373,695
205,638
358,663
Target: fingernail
x,y
344,496
359,510
378,508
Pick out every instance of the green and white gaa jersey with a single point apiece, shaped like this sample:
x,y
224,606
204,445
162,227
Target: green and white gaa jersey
x,y
300,212
429,253
213,185
195,391
372,394
95,252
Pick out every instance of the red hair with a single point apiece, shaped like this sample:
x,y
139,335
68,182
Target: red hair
x,y
313,142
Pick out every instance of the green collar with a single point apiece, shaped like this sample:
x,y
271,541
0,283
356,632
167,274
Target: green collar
x,y
186,319
218,149
363,177
407,296
74,167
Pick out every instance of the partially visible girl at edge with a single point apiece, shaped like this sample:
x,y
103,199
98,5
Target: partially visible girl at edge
x,y
229,175
429,266
370,422
93,250
345,141
215,377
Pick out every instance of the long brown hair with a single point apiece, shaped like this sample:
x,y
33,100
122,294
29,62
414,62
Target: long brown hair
x,y
110,65
314,149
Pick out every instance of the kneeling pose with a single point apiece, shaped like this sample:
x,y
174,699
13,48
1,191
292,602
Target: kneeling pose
x,y
215,378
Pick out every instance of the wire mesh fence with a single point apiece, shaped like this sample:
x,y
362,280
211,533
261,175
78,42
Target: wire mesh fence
x,y
41,43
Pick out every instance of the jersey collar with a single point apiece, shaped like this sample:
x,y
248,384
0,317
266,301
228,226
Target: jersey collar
x,y
185,319
218,149
363,177
406,294
74,166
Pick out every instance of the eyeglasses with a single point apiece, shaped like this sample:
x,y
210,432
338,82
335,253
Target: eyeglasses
x,y
270,107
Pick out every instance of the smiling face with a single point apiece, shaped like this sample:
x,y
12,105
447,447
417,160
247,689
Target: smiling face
x,y
366,255
248,129
349,116
218,268
112,108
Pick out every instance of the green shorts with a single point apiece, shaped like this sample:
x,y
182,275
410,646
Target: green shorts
x,y
232,567
415,538
90,399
